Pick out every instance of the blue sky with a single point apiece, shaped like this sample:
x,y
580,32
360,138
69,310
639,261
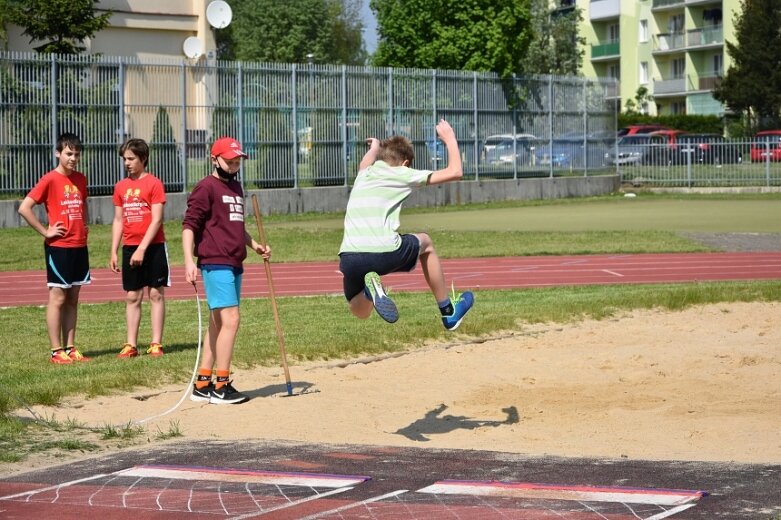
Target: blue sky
x,y
369,27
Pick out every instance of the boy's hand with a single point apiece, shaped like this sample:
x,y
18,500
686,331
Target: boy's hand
x,y
264,251
190,271
445,131
373,143
58,229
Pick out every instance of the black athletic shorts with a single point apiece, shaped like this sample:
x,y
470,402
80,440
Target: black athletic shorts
x,y
153,271
354,266
66,266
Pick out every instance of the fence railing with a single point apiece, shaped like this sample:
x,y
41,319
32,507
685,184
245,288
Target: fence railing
x,y
699,164
302,125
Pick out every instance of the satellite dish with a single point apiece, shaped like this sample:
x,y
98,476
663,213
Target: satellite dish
x,y
193,47
219,14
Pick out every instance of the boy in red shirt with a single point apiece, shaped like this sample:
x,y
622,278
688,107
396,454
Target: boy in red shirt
x,y
213,230
138,224
63,192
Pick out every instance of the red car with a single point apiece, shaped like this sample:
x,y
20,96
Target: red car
x,y
639,129
766,146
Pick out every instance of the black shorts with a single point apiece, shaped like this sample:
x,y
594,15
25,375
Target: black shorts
x,y
153,271
354,266
66,266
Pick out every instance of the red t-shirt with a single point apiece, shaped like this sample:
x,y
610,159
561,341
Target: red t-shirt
x,y
135,197
64,197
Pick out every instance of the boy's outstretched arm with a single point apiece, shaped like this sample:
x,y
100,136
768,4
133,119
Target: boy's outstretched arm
x,y
453,171
371,155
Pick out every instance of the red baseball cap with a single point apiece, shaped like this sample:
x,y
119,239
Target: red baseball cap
x,y
227,148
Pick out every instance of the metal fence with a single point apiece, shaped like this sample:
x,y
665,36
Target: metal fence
x,y
707,162
302,125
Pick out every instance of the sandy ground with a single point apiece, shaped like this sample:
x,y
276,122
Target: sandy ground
x,y
703,384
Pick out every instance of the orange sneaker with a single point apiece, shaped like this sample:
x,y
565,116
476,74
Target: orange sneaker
x,y
59,357
75,355
155,350
128,351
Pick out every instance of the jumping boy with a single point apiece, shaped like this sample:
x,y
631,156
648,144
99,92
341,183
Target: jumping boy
x,y
63,192
138,224
213,230
372,247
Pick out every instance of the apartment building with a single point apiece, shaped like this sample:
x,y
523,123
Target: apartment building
x,y
144,29
673,48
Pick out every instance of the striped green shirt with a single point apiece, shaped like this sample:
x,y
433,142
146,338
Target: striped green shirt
x,y
371,222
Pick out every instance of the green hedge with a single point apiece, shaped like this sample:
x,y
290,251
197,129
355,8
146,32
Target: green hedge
x,y
690,123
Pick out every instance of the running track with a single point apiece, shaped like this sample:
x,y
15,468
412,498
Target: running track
x,y
322,278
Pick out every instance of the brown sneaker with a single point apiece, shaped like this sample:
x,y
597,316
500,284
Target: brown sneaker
x,y
128,351
155,350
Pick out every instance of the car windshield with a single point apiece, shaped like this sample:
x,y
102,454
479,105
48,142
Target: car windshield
x,y
634,139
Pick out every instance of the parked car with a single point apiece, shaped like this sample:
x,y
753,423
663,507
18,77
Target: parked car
x,y
638,149
573,150
502,142
707,149
640,129
766,146
519,150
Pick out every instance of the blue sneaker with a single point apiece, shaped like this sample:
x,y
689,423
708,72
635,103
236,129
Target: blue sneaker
x,y
461,306
382,303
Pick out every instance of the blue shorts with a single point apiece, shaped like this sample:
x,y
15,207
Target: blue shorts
x,y
354,266
222,284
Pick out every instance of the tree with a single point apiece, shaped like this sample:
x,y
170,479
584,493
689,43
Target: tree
x,y
289,32
752,85
640,101
478,35
556,46
62,24
163,156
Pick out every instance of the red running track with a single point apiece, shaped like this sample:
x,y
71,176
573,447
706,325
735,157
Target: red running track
x,y
320,278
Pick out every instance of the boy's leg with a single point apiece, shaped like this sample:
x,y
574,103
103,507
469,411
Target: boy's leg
x,y
70,314
157,303
229,319
133,301
54,318
453,310
360,306
432,267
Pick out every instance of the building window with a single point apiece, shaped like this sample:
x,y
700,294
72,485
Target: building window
x,y
678,107
614,71
643,72
675,24
643,31
678,68
718,64
612,33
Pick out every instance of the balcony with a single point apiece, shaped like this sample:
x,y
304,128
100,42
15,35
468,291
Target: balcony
x,y
709,82
604,9
706,36
564,7
669,42
666,4
605,50
691,3
674,86
659,5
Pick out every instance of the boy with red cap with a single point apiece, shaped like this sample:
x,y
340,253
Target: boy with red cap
x,y
213,230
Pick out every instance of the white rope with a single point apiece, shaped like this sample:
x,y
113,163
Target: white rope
x,y
189,388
